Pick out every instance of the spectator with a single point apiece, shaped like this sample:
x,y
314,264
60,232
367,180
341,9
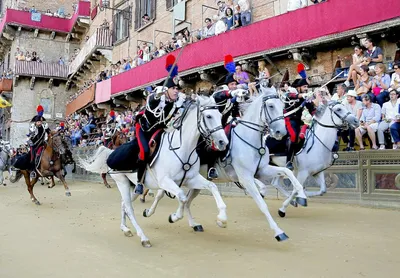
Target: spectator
x,y
229,19
34,56
380,84
180,40
61,62
187,36
389,111
395,81
296,4
263,73
340,94
355,108
395,131
245,12
91,124
364,83
236,17
139,55
145,19
221,10
242,78
369,121
373,54
358,60
209,30
220,26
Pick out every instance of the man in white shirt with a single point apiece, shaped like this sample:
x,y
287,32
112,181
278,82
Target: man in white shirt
x,y
389,111
355,107
340,94
296,4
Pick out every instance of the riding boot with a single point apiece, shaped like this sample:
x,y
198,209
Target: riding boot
x,y
141,169
290,155
211,159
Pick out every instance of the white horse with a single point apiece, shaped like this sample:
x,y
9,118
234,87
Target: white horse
x,y
5,161
177,165
316,154
248,162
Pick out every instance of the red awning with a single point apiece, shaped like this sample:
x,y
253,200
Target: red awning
x,y
303,24
103,91
81,101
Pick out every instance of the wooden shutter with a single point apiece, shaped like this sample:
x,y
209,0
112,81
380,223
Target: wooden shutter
x,y
153,9
170,4
137,14
126,23
114,28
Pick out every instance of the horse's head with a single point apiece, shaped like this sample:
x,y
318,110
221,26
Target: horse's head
x,y
337,114
209,122
272,112
55,141
119,138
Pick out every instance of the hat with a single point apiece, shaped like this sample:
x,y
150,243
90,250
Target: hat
x,y
229,79
351,93
299,82
230,66
62,125
172,69
40,110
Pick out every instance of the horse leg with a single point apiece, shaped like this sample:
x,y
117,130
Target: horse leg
x,y
251,188
30,185
200,182
2,178
60,176
191,195
320,179
143,199
124,228
52,182
124,188
169,185
149,212
104,177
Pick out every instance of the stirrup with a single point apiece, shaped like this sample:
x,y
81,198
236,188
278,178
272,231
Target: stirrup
x,y
212,173
139,188
289,165
33,174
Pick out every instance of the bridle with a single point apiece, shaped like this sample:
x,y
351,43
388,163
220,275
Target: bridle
x,y
343,125
54,146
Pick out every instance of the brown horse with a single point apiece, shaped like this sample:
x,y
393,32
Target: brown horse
x,y
117,140
50,165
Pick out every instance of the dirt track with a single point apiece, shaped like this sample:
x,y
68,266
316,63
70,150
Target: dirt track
x,y
79,236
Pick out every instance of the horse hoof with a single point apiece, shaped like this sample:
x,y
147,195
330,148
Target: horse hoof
x,y
4,184
145,212
68,194
221,224
282,237
293,203
198,228
146,244
37,202
170,219
108,186
128,234
42,183
142,200
262,196
301,201
281,213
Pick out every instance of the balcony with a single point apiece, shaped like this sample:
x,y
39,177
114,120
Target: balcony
x,y
87,97
46,70
100,41
281,33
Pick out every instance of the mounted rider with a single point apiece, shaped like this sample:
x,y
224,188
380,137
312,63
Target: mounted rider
x,y
66,158
160,108
227,98
37,136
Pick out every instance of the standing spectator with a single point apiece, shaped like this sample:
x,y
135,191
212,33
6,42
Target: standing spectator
x,y
355,108
369,121
220,26
395,82
90,125
236,17
229,19
389,111
61,62
380,84
263,73
187,36
139,55
221,10
373,54
245,12
296,4
209,30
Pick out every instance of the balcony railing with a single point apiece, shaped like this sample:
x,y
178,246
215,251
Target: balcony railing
x,y
101,39
36,69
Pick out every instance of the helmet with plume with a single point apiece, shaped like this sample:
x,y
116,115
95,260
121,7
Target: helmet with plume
x,y
172,69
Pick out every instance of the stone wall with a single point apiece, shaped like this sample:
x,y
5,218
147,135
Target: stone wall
x,y
52,5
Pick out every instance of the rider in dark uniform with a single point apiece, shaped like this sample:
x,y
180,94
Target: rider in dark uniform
x,y
160,108
293,121
228,101
37,136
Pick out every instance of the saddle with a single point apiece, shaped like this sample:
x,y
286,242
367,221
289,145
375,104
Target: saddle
x,y
38,156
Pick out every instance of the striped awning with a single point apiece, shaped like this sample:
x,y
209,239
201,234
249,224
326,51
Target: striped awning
x,y
31,68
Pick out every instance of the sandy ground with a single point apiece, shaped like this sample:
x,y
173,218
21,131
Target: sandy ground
x,y
79,236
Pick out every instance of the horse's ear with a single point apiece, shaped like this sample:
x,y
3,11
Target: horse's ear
x,y
324,101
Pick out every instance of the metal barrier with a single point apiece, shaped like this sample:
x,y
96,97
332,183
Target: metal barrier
x,y
367,178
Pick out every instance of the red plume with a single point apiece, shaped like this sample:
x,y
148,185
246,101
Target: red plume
x,y
301,70
169,61
112,113
228,59
39,109
62,124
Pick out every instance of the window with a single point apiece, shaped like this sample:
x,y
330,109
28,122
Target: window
x,y
145,12
121,25
172,3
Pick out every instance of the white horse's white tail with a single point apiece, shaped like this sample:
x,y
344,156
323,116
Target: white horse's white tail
x,y
98,162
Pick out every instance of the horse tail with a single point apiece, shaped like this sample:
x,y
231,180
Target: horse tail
x,y
15,178
98,162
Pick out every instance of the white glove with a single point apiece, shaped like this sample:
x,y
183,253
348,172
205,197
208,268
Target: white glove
x,y
181,99
238,93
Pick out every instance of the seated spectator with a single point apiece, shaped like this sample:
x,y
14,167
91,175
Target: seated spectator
x,y
369,122
296,4
395,131
380,84
242,78
358,60
90,125
245,12
364,83
395,81
355,108
209,30
373,54
340,94
389,111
